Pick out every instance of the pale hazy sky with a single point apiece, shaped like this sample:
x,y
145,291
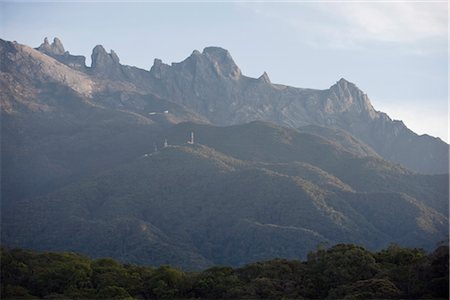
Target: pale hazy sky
x,y
395,51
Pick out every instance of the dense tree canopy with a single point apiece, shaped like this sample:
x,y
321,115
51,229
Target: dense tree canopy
x,y
343,271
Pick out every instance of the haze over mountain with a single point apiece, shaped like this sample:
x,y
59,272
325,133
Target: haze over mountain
x,y
274,170
211,84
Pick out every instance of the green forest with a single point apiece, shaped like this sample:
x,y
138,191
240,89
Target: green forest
x,y
343,271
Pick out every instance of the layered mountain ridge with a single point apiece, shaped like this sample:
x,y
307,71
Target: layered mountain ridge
x,y
212,85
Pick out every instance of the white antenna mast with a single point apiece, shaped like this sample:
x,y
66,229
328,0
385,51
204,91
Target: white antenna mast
x,y
191,140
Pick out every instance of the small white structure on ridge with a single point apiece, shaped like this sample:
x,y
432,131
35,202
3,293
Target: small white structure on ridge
x,y
191,140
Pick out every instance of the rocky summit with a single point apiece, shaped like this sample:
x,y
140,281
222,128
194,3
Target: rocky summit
x,y
56,48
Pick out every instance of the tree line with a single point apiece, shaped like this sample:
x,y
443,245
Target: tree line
x,y
343,271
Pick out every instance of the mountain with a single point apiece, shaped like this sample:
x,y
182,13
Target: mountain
x,y
193,206
60,124
274,171
210,85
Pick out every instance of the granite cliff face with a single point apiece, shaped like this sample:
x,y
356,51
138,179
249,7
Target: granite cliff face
x,y
105,64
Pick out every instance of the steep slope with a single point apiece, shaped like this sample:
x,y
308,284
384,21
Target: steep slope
x,y
190,205
342,138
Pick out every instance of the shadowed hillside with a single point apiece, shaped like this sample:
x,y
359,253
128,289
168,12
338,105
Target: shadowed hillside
x,y
192,206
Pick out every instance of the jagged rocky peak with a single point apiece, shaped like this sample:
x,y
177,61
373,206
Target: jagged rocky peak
x,y
212,62
191,63
346,96
55,48
104,62
344,84
45,46
114,57
344,87
217,52
157,62
264,78
159,68
222,61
